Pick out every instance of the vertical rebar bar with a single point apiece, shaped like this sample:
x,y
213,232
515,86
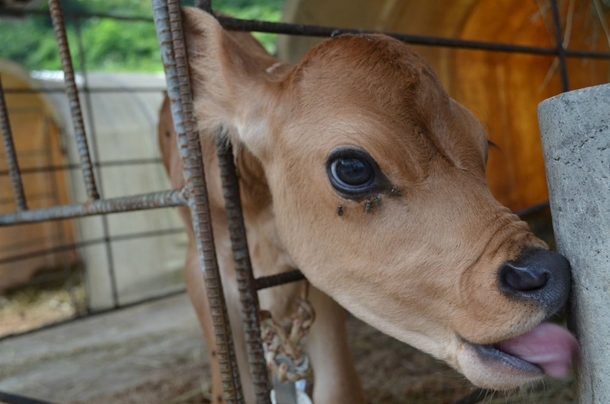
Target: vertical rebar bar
x,y
57,200
561,52
95,150
11,155
72,92
243,269
168,23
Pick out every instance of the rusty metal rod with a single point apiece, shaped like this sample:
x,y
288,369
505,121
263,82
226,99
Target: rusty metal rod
x,y
243,269
72,93
265,282
168,23
11,155
153,200
200,210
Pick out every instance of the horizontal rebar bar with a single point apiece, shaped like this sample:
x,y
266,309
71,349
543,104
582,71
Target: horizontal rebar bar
x,y
11,155
66,167
91,90
101,206
88,243
532,209
71,91
236,24
72,14
265,282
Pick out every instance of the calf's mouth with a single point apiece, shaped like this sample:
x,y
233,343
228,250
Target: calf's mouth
x,y
541,279
547,349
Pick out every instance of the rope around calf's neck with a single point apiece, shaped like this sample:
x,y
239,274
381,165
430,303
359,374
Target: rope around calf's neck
x,y
284,349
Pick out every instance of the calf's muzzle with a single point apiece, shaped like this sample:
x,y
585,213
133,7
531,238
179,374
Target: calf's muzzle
x,y
539,275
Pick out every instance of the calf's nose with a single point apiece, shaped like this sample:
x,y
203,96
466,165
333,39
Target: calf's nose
x,y
537,274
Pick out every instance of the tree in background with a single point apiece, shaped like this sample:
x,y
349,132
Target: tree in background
x,y
110,44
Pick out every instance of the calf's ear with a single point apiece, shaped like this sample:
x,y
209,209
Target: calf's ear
x,y
234,81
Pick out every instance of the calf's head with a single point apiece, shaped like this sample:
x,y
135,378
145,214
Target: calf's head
x,y
379,196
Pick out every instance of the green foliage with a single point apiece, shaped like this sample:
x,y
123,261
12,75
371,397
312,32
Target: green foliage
x,y
255,12
30,43
112,45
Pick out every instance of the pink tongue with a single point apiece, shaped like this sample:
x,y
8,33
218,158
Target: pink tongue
x,y
548,345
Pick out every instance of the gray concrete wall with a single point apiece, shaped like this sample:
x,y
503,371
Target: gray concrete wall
x,y
575,130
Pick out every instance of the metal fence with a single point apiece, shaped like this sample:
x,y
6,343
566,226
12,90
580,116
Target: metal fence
x,y
167,20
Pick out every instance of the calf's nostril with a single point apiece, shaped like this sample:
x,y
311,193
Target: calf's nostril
x,y
539,275
534,270
523,279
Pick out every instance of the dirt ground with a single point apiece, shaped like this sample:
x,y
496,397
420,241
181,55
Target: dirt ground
x,y
153,353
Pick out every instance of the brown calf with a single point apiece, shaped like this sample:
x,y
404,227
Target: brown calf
x,y
358,169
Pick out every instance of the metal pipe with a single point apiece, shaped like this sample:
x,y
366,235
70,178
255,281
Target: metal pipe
x,y
168,24
72,93
11,156
243,270
153,200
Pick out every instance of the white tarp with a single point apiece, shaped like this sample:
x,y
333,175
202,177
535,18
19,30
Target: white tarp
x,y
124,128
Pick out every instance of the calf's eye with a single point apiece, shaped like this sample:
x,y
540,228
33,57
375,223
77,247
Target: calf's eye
x,y
353,172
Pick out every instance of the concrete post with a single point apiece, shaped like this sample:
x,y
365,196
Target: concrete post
x,y
575,129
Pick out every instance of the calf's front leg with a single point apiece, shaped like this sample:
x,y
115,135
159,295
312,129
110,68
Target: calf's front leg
x,y
335,377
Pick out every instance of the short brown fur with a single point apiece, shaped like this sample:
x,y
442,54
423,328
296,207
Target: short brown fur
x,y
420,265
